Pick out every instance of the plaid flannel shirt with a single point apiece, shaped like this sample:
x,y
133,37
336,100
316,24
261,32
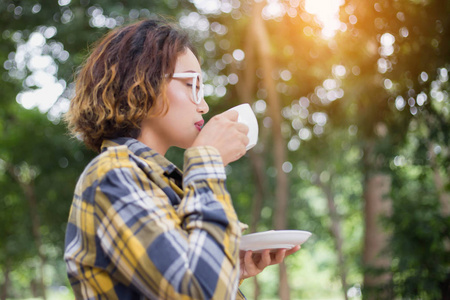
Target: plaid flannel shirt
x,y
139,229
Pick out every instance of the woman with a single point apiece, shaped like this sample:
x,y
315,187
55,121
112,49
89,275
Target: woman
x,y
139,228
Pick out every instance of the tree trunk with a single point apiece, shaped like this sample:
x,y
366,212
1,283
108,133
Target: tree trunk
x,y
245,91
257,163
281,193
444,196
336,232
6,272
377,277
30,195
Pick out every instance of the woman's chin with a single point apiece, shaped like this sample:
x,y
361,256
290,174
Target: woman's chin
x,y
186,144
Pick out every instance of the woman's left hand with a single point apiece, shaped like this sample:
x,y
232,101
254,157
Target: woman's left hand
x,y
253,263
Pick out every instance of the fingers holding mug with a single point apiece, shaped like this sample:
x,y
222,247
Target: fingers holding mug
x,y
232,132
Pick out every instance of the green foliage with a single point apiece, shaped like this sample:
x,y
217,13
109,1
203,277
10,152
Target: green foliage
x,y
421,232
421,237
39,155
365,131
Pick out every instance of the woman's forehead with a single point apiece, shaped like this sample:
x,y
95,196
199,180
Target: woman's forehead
x,y
187,62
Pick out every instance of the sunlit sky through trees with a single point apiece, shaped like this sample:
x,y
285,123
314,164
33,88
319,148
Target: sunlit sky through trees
x,y
47,94
327,12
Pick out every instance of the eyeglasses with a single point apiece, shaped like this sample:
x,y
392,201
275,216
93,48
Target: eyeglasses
x,y
197,96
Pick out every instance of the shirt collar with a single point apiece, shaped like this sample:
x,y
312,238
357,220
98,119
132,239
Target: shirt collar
x,y
143,151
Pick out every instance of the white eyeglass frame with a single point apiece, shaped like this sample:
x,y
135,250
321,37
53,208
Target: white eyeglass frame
x,y
196,96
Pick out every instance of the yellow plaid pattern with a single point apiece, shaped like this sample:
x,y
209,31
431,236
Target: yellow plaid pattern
x,y
140,229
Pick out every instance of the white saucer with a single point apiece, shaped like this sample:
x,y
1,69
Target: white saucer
x,y
273,239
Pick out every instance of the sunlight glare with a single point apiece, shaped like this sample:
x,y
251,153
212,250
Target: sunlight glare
x,y
273,9
327,13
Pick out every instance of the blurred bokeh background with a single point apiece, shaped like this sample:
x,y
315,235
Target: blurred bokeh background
x,y
352,99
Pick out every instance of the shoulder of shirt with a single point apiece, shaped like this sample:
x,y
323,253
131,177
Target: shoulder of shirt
x,y
112,158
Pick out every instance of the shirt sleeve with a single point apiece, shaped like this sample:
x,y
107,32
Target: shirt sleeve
x,y
167,253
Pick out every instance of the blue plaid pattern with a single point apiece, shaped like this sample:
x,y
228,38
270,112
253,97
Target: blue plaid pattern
x,y
139,229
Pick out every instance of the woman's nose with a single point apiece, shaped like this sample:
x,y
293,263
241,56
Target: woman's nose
x,y
203,107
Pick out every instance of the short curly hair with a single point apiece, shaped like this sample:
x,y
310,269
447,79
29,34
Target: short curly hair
x,y
117,86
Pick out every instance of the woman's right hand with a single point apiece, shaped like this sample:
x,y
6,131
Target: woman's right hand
x,y
225,134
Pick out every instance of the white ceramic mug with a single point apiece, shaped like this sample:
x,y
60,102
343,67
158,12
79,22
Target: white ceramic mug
x,y
247,117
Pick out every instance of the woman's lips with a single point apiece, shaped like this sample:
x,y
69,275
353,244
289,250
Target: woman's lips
x,y
199,125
